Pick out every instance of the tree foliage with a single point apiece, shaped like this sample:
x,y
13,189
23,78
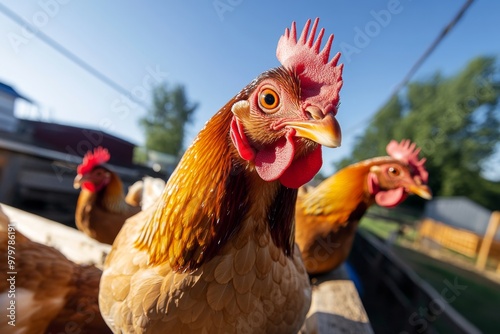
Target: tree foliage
x,y
164,124
456,122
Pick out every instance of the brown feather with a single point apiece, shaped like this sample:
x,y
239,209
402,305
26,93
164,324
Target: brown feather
x,y
53,294
198,225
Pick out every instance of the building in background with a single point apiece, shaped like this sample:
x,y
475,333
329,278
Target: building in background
x,y
38,161
8,97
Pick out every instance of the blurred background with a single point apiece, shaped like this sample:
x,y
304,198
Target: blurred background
x,y
142,78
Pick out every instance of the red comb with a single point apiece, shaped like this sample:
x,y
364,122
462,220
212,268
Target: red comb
x,y
407,152
90,160
319,77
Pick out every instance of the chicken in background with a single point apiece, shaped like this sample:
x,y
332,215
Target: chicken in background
x,y
217,254
52,294
327,216
102,207
145,192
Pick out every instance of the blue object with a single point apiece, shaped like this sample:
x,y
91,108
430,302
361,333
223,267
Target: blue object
x,y
354,278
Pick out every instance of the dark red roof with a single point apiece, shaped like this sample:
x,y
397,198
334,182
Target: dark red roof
x,y
77,141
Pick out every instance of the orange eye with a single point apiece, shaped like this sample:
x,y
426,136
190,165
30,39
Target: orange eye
x,y
268,99
394,171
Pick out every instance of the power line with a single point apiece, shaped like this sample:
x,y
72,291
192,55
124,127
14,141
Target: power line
x,y
433,46
84,65
71,56
446,30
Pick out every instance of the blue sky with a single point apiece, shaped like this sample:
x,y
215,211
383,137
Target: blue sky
x,y
215,48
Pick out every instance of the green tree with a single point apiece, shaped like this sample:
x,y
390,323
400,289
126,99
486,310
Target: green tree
x,y
456,122
164,124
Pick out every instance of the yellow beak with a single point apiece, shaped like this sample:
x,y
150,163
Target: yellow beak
x,y
421,190
325,131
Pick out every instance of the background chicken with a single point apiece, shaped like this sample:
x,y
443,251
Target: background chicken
x,y
101,209
52,294
145,192
217,254
328,215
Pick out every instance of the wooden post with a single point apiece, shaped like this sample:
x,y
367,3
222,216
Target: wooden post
x,y
482,256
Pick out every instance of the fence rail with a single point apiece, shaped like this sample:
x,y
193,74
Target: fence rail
x,y
396,299
463,241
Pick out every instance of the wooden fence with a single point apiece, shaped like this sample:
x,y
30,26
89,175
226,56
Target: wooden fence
x,y
479,247
456,239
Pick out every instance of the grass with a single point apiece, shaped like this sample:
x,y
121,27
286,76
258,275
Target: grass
x,y
380,228
478,301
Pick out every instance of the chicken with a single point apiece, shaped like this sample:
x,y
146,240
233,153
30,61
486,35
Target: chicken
x,y
145,192
328,215
101,209
46,292
217,253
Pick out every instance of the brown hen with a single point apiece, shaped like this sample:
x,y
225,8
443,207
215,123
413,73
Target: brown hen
x,y
101,209
217,254
327,216
50,293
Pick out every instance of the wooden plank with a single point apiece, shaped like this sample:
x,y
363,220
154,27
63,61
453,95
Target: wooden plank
x,y
336,306
75,245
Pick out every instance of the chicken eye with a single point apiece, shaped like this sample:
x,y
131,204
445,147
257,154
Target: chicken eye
x,y
268,99
393,171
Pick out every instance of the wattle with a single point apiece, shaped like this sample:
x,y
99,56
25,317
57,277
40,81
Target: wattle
x,y
386,198
390,198
276,162
89,186
272,161
303,169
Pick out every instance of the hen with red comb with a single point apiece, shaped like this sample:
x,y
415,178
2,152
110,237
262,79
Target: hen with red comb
x,y
101,209
314,96
328,215
217,252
